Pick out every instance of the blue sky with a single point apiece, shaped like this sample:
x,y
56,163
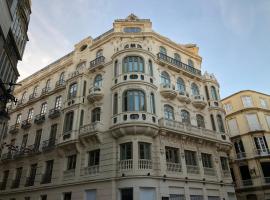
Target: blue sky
x,y
233,36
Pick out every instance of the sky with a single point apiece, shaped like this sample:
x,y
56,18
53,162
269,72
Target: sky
x,y
233,35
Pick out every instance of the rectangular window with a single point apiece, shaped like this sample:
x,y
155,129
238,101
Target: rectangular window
x,y
67,196
24,141
32,175
26,198
144,150
68,122
264,103
147,193
207,160
239,148
18,119
4,180
53,133
247,101
71,162
191,158
228,107
233,127
58,102
253,122
126,193
91,194
48,172
172,154
43,109
18,176
30,114
224,163
43,197
93,157
126,151
37,139
267,117
261,145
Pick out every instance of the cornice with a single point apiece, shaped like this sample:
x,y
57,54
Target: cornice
x,y
247,110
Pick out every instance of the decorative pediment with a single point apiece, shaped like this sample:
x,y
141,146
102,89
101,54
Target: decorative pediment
x,y
132,17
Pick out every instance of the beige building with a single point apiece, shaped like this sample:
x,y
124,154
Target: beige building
x,y
248,121
125,116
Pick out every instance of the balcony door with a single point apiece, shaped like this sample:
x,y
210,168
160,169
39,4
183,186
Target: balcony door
x,y
266,172
244,170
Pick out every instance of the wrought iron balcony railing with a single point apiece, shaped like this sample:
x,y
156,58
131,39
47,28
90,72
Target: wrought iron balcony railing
x,y
55,112
14,128
40,118
26,124
60,83
97,62
45,90
179,64
32,96
49,144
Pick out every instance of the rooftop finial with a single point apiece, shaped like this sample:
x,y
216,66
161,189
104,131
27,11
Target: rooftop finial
x,y
132,17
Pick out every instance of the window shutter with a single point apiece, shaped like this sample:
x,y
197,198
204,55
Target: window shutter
x,y
256,143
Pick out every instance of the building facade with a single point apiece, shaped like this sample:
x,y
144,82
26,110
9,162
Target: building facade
x,y
127,115
14,20
248,121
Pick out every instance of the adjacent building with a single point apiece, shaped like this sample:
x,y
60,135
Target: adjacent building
x,y
124,116
14,20
248,121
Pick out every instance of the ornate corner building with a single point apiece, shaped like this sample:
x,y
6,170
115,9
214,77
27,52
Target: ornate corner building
x,y
14,20
248,120
127,115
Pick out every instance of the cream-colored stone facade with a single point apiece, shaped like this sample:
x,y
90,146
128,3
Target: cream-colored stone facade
x,y
248,121
136,120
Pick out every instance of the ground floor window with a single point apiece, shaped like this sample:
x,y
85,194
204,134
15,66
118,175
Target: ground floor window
x,y
126,194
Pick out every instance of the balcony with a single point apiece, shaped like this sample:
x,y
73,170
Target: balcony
x,y
95,94
15,183
174,167
97,63
134,123
209,171
26,124
241,155
14,128
7,156
19,153
46,178
262,152
183,97
32,96
49,144
69,140
39,119
54,113
91,170
199,102
20,103
168,91
144,164
91,131
69,174
30,181
193,169
176,64
246,183
33,149
45,91
60,84
125,165
267,180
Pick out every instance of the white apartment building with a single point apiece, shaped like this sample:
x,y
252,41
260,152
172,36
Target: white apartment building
x,y
125,116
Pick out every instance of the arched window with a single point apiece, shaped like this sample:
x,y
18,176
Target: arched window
x,y
162,50
133,64
115,103
99,53
214,93
177,57
190,63
220,124
24,96
213,122
98,81
150,68
48,84
116,72
72,90
96,112
165,79
168,112
195,89
134,100
185,116
62,77
81,65
152,103
181,85
200,121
